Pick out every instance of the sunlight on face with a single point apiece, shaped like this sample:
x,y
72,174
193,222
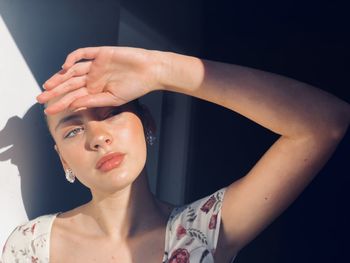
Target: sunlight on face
x,y
84,136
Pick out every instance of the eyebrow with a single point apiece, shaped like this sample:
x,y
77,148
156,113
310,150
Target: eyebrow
x,y
68,119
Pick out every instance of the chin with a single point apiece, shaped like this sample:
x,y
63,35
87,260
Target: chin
x,y
115,181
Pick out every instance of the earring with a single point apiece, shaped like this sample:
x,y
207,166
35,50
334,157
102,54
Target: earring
x,y
70,175
150,137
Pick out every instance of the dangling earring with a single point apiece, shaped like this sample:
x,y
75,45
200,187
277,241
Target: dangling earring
x,y
150,137
148,122
70,175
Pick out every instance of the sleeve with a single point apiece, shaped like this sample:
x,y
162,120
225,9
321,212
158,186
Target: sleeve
x,y
29,242
19,246
206,215
197,223
8,251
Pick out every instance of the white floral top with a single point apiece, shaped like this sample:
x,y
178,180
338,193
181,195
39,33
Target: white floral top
x,y
191,235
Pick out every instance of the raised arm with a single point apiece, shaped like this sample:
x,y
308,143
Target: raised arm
x,y
280,104
311,122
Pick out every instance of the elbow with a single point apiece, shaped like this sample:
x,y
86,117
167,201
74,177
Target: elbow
x,y
341,123
339,132
335,125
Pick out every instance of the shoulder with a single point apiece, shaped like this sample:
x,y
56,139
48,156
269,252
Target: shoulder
x,y
27,239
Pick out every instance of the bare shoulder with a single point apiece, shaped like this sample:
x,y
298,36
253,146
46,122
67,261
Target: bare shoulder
x,y
67,222
66,235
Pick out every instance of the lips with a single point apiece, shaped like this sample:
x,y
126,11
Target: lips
x,y
110,161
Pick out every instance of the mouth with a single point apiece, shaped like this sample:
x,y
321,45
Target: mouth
x,y
110,161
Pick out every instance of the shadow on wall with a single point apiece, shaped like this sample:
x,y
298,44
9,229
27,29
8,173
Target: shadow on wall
x,y
45,32
43,184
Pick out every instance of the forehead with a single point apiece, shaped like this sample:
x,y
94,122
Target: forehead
x,y
53,120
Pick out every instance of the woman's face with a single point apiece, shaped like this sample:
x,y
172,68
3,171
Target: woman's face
x,y
88,142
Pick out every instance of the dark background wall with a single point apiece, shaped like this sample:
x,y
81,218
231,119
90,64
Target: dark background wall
x,y
305,40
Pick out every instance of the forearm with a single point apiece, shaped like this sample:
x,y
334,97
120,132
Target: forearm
x,y
282,105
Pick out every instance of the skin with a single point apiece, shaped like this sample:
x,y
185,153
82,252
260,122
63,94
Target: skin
x,y
310,127
119,197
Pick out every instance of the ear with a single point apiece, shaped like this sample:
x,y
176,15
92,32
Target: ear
x,y
148,119
63,162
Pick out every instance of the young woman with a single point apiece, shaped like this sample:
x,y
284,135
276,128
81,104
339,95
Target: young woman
x,y
99,130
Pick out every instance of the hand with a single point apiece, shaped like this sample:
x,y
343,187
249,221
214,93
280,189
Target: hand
x,y
102,76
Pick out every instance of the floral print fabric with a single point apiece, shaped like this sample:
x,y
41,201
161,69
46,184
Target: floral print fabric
x,y
191,235
29,242
193,230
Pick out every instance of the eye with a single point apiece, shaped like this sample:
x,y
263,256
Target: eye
x,y
73,132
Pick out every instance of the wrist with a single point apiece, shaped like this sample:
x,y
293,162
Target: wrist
x,y
161,68
179,73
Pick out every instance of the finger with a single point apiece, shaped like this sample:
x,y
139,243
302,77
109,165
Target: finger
x,y
78,69
68,86
97,100
81,53
65,101
57,76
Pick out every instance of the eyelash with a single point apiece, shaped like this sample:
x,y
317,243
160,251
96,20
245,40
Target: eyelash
x,y
73,132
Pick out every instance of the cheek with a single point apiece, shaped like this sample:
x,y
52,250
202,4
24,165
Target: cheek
x,y
70,152
128,136
134,137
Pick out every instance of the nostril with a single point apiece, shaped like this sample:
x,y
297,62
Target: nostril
x,y
101,141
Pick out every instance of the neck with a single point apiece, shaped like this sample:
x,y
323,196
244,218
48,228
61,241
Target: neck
x,y
126,213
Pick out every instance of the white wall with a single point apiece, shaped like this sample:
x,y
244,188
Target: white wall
x,y
35,37
14,73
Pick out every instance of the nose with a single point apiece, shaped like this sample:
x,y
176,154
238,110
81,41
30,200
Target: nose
x,y
98,136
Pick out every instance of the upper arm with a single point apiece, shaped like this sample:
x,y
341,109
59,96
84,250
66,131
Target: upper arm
x,y
252,202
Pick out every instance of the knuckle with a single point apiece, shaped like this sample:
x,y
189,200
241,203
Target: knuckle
x,y
85,81
75,82
80,51
54,93
67,86
73,72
